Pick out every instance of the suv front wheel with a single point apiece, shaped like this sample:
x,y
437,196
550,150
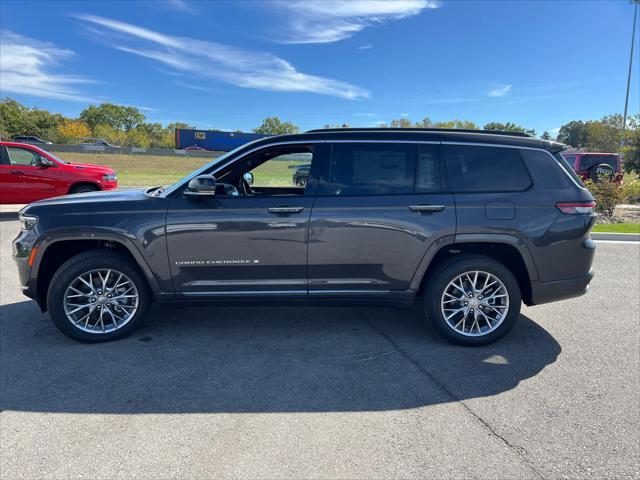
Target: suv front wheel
x,y
472,300
97,296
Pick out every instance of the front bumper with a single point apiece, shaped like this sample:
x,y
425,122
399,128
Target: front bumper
x,y
23,246
545,292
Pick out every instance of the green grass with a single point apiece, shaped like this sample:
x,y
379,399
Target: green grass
x,y
617,227
152,170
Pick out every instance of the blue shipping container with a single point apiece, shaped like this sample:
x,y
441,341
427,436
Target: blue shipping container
x,y
214,140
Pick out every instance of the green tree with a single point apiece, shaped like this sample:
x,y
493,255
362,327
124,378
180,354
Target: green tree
x,y
117,117
401,123
275,126
110,134
463,124
509,127
574,133
545,135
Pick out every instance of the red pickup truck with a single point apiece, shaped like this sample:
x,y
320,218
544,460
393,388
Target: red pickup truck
x,y
29,173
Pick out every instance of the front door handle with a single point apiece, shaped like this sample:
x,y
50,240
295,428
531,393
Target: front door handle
x,y
279,210
426,208
17,172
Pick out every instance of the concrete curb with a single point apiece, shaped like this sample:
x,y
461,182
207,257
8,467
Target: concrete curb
x,y
620,237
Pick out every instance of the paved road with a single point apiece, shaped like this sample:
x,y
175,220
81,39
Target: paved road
x,y
326,393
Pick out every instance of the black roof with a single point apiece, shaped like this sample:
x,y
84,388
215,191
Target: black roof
x,y
419,134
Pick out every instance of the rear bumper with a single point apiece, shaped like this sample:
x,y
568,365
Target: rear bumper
x,y
545,292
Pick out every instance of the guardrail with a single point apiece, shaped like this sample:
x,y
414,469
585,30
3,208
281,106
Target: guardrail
x,y
128,150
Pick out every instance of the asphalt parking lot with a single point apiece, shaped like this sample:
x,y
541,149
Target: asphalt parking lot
x,y
302,392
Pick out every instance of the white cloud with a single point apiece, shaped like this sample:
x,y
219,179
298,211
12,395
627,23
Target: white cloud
x,y
366,46
500,91
180,5
404,114
333,20
555,131
235,66
26,67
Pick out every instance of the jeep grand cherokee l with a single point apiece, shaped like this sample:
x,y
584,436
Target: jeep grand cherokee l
x,y
471,224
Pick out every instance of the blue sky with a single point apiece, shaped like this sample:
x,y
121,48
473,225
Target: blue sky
x,y
228,65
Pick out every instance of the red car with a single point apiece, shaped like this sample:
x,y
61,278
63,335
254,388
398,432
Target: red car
x,y
28,173
595,166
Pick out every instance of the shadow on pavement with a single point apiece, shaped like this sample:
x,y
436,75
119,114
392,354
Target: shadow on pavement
x,y
258,359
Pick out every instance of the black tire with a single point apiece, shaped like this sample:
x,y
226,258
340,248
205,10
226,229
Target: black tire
x,y
84,189
449,270
85,262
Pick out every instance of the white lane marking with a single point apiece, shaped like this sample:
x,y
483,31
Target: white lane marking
x,y
626,242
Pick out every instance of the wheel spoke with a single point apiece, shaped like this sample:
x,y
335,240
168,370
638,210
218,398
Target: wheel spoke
x,y
80,306
488,312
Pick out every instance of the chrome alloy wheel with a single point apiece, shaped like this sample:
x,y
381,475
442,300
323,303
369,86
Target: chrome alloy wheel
x,y
475,303
101,301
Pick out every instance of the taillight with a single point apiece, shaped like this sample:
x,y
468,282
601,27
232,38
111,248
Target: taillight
x,y
576,208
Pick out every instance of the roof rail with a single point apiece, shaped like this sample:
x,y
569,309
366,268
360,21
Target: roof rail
x,y
393,129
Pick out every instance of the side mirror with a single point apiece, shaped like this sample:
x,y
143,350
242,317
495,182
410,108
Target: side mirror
x,y
201,186
43,162
248,177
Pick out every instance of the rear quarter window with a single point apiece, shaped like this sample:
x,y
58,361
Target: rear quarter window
x,y
545,170
472,168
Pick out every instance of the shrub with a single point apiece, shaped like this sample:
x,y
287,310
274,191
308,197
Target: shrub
x,y
631,188
607,195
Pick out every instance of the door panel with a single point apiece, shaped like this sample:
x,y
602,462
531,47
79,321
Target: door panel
x,y
27,181
246,245
233,245
374,243
369,229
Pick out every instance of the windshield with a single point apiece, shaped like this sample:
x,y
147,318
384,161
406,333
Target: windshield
x,y
201,170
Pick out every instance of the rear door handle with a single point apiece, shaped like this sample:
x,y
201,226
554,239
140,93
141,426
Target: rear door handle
x,y
426,208
278,210
17,172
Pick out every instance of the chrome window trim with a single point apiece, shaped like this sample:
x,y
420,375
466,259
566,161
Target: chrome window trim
x,y
186,180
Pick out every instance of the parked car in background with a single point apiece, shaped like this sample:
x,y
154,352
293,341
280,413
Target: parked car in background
x,y
301,174
28,173
30,139
99,142
595,166
469,223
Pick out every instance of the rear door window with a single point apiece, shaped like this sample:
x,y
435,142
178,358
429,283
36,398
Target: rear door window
x,y
371,169
472,168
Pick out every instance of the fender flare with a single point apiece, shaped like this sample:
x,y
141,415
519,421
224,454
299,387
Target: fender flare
x,y
489,238
512,240
99,235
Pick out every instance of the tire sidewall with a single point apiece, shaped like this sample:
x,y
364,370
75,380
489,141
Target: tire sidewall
x,y
83,263
439,281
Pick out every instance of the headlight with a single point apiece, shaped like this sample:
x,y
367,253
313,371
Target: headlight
x,y
27,222
110,177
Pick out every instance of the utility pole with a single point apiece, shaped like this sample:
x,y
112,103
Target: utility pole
x,y
626,100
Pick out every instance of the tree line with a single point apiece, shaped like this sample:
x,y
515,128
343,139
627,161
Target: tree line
x,y
127,126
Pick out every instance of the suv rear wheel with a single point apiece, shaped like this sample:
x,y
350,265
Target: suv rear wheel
x,y
97,296
472,300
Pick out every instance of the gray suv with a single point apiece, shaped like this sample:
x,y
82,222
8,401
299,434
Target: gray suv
x,y
469,223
